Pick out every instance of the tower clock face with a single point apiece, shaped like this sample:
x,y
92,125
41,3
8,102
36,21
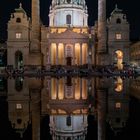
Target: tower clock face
x,y
68,1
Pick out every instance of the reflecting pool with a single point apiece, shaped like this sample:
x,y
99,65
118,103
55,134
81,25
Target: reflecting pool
x,y
69,108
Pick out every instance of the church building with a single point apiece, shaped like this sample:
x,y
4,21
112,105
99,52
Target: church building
x,y
68,40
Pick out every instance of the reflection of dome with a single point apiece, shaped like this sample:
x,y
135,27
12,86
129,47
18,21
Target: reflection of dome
x,y
71,127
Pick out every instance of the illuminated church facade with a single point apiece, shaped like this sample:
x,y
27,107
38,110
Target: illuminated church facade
x,y
68,41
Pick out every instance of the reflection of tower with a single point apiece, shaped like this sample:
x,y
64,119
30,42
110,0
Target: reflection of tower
x,y
101,85
118,104
35,86
18,104
101,94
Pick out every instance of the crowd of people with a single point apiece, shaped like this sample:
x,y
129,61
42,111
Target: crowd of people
x,y
72,70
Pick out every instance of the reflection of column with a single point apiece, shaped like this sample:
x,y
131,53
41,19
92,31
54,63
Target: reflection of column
x,y
49,54
81,86
35,106
81,54
64,54
57,86
101,94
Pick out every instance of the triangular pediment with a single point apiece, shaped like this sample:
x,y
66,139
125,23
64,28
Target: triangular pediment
x,y
68,34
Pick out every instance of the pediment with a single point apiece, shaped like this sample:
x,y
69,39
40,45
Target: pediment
x,y
68,34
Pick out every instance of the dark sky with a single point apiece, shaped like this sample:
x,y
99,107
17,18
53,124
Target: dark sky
x,y
130,7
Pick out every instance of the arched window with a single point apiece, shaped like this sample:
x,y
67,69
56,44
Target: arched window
x,y
18,20
19,84
68,19
68,121
68,1
18,59
118,21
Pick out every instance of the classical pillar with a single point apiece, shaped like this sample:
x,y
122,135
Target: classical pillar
x,y
35,31
101,26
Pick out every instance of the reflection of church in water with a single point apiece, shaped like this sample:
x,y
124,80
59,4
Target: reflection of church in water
x,y
68,102
68,41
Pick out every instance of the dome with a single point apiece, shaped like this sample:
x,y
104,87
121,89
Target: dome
x,y
68,12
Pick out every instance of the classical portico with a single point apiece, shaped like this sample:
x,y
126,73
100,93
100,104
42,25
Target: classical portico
x,y
68,48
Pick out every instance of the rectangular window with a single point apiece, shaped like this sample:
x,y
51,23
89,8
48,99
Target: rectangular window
x,y
118,105
18,35
118,36
18,106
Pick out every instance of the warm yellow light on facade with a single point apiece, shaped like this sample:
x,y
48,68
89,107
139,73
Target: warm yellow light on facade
x,y
61,30
53,89
118,105
53,30
119,84
76,30
84,53
60,54
77,88
53,54
76,111
60,111
119,59
84,89
118,36
77,53
61,89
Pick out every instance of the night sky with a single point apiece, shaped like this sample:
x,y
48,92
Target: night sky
x,y
130,7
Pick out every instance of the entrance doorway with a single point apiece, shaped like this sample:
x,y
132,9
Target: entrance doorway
x,y
69,61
